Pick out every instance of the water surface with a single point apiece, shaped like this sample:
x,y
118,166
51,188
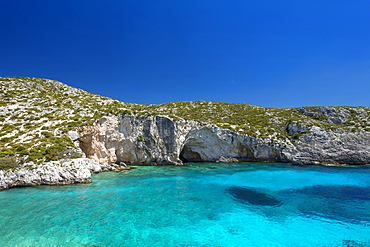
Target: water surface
x,y
208,204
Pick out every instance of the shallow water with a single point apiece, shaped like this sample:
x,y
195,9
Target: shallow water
x,y
208,204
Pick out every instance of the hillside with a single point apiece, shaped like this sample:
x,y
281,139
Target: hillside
x,y
36,115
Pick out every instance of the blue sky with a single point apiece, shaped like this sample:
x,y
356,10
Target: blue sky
x,y
285,53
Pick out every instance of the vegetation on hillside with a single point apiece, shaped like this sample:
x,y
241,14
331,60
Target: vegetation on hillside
x,y
36,114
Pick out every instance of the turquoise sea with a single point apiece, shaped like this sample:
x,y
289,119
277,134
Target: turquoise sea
x,y
206,204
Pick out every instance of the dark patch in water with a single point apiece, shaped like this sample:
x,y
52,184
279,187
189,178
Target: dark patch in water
x,y
252,196
353,243
340,193
342,203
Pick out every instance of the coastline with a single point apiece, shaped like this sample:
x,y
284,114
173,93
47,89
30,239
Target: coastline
x,y
73,171
62,172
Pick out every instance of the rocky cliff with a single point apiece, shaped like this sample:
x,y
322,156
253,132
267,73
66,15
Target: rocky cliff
x,y
51,133
160,140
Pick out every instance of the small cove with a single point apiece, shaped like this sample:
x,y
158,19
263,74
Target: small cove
x,y
205,204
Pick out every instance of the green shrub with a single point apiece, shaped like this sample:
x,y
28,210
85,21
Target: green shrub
x,y
8,163
6,140
47,134
20,148
6,152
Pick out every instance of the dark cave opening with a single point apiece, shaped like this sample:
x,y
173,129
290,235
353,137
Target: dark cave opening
x,y
188,155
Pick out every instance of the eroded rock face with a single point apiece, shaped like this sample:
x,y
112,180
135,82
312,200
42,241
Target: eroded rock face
x,y
296,127
160,140
335,147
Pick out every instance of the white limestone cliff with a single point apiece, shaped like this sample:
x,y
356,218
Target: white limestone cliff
x,y
160,140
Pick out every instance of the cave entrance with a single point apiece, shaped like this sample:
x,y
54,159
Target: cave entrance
x,y
187,154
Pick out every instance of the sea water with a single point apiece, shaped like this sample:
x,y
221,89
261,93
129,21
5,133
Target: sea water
x,y
206,204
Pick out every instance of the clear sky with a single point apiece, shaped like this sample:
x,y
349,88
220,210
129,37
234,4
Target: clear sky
x,y
284,53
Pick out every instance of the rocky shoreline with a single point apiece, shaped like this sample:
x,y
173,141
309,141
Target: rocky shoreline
x,y
62,172
114,141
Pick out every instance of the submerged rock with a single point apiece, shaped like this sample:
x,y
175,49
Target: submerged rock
x,y
252,196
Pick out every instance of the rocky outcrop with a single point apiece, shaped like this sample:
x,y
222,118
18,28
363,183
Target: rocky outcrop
x,y
335,147
327,114
160,140
149,140
66,171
